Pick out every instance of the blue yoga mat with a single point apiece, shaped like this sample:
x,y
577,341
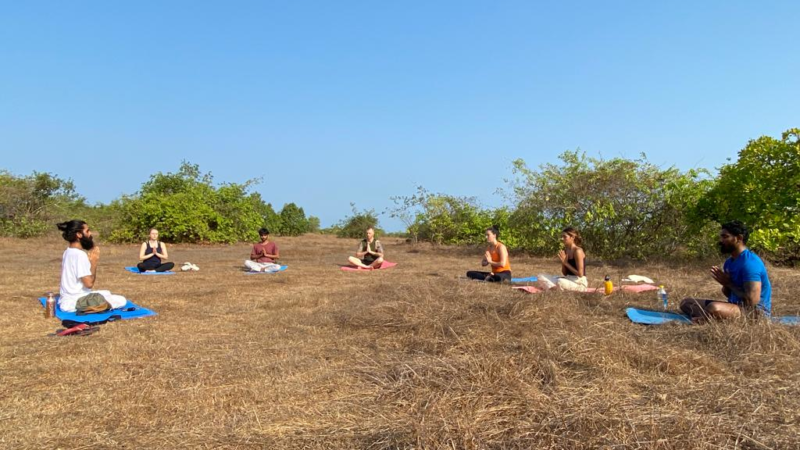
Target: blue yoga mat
x,y
99,317
647,317
524,280
135,270
787,320
250,272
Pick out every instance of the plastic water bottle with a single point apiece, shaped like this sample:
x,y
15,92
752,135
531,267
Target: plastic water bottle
x,y
662,295
608,287
50,306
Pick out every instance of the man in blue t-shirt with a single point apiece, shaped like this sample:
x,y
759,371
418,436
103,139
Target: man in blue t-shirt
x,y
743,278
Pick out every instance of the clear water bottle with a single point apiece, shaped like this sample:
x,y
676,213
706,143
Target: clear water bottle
x,y
662,296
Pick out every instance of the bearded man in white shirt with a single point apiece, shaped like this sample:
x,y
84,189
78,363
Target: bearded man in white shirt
x,y
79,268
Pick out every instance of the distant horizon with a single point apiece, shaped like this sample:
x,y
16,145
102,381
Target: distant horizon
x,y
351,102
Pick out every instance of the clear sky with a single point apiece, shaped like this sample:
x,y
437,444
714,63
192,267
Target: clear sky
x,y
337,102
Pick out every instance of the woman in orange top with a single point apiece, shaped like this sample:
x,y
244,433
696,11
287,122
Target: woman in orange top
x,y
496,256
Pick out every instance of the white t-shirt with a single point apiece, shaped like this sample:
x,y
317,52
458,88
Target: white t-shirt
x,y
74,266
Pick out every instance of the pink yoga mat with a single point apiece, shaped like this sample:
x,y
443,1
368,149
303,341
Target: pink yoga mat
x,y
626,288
639,287
384,265
528,289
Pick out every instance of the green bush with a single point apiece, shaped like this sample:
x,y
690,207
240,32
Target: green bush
x,y
355,226
30,205
622,207
762,189
293,220
187,207
313,224
446,219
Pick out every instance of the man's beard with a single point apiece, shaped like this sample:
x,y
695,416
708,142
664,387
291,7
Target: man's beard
x,y
86,242
726,249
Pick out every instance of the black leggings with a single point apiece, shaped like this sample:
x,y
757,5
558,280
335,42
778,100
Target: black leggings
x,y
499,276
144,267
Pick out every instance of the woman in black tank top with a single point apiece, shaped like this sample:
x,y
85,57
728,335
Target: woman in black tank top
x,y
573,265
573,258
152,253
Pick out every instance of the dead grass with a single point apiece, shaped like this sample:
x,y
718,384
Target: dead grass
x,y
412,357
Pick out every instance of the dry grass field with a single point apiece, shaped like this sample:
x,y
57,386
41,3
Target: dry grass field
x,y
411,357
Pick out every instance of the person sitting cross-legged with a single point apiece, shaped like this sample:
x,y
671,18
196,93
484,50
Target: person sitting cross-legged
x,y
265,254
496,256
152,254
369,254
743,278
79,270
573,265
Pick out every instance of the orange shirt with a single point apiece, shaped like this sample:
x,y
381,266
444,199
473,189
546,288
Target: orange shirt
x,y
495,253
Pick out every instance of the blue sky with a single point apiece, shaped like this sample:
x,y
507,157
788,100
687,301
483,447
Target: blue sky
x,y
340,102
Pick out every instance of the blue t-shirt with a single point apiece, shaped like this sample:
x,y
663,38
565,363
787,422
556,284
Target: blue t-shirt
x,y
749,267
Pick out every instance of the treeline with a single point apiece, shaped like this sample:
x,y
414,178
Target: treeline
x,y
629,208
623,207
186,207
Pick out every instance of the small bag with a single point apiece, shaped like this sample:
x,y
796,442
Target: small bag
x,y
92,303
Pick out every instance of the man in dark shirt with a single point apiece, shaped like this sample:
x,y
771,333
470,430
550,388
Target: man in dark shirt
x,y
264,255
369,254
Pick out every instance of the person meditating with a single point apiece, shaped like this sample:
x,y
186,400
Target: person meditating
x,y
152,253
264,255
743,278
496,256
369,254
573,265
79,271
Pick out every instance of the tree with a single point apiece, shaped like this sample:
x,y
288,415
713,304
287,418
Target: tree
x,y
762,189
186,207
293,220
622,207
356,225
29,205
447,219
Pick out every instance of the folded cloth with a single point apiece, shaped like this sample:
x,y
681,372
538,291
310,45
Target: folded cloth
x,y
129,311
638,279
134,269
384,265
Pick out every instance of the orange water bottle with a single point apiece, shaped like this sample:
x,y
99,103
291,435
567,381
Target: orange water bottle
x,y
608,287
50,306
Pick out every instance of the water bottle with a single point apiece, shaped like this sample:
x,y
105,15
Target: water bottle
x,y
50,306
662,295
608,287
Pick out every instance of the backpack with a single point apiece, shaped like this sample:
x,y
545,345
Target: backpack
x,y
92,303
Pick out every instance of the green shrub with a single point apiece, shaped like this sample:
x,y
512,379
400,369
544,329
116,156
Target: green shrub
x,y
293,220
187,207
355,226
762,189
622,207
30,205
313,224
447,219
